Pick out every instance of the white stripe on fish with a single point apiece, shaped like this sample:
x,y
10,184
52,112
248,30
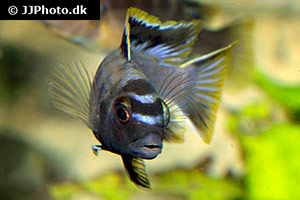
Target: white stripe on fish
x,y
151,120
144,99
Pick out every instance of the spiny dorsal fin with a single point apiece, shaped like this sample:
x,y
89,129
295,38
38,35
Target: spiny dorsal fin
x,y
70,91
135,168
169,42
208,73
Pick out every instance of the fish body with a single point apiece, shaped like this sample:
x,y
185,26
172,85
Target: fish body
x,y
144,90
126,112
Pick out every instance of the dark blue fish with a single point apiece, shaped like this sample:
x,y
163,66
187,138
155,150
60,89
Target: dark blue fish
x,y
144,90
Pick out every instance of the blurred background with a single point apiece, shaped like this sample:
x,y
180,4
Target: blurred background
x,y
254,153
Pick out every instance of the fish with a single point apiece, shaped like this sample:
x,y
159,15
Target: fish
x,y
143,91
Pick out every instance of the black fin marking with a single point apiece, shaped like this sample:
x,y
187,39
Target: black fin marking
x,y
125,45
169,42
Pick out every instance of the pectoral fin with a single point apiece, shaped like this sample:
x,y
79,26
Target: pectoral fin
x,y
135,168
70,87
96,149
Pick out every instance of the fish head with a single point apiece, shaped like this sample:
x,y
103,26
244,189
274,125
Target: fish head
x,y
136,125
126,113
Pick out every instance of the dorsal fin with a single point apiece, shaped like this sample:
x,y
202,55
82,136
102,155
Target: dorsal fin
x,y
169,42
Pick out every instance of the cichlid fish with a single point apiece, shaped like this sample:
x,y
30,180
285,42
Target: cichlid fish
x,y
144,90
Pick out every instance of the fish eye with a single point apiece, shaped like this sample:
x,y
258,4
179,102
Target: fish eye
x,y
122,114
122,109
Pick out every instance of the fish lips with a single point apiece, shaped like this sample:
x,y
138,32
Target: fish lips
x,y
148,147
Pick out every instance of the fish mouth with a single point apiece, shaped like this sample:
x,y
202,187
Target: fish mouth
x,y
148,147
155,148
152,146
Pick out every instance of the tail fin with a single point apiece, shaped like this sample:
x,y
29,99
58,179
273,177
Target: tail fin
x,y
242,63
208,73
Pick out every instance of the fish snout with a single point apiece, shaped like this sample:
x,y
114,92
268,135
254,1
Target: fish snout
x,y
149,146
